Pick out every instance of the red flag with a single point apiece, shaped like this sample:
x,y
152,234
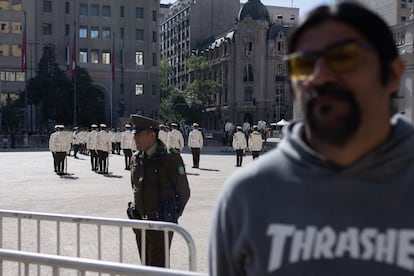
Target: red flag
x,y
113,58
23,48
73,62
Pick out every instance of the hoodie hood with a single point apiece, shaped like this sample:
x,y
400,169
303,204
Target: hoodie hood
x,y
397,150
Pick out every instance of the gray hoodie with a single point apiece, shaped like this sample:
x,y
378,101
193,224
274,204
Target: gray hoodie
x,y
292,212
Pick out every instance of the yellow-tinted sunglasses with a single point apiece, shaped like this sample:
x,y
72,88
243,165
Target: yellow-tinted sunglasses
x,y
341,57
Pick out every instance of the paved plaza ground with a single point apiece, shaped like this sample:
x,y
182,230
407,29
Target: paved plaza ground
x,y
28,183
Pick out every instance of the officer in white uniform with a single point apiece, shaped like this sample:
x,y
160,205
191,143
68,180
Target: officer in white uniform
x,y
163,134
195,143
175,139
59,145
127,145
255,142
239,145
91,145
103,146
76,141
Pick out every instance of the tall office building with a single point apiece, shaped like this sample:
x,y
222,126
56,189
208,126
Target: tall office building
x,y
189,24
123,31
393,11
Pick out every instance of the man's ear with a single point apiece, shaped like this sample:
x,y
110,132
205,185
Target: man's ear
x,y
397,70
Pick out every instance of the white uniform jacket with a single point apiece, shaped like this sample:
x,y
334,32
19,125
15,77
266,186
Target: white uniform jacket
x,y
163,136
195,139
103,141
91,140
59,142
255,141
239,141
175,140
127,140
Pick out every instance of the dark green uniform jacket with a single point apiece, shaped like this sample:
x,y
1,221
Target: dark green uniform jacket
x,y
159,178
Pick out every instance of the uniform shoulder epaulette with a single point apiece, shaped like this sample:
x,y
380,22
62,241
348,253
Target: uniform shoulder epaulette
x,y
173,150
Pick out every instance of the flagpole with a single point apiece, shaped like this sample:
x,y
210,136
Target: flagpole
x,y
113,73
73,64
26,134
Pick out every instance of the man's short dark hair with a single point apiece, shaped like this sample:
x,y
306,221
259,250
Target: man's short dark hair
x,y
364,21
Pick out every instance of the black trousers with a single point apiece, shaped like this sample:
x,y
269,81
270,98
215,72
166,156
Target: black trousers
x,y
128,154
94,159
103,162
255,154
154,247
239,157
59,161
196,157
76,148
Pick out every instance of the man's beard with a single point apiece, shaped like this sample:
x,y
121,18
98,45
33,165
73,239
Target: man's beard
x,y
339,131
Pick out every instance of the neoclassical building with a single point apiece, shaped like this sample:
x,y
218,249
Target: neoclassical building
x,y
248,63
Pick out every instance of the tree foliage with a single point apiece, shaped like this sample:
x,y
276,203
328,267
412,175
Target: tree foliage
x,y
53,91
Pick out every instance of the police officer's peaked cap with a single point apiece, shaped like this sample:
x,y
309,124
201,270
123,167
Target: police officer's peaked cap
x,y
239,127
102,125
195,125
174,125
161,125
61,126
94,126
127,126
141,123
255,127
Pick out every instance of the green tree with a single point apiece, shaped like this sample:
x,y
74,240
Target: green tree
x,y
53,92
50,89
199,93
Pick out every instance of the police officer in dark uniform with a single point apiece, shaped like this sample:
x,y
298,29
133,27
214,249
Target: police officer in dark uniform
x,y
159,183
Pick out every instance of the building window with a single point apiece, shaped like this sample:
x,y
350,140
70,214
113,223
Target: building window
x,y
94,32
139,58
403,4
154,59
106,33
83,56
248,73
67,29
121,11
121,33
139,34
106,57
95,10
47,29
47,6
139,89
17,27
83,9
280,72
403,19
67,7
4,27
4,50
280,95
154,16
83,32
154,37
106,10
248,94
139,13
94,56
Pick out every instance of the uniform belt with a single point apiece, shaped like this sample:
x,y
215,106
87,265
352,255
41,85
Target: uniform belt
x,y
151,216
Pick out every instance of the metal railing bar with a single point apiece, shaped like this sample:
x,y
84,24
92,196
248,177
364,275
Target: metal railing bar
x,y
82,264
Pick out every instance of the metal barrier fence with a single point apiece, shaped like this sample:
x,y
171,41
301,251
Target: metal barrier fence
x,y
82,266
54,233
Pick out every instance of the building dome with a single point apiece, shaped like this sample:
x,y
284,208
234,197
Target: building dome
x,y
255,9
